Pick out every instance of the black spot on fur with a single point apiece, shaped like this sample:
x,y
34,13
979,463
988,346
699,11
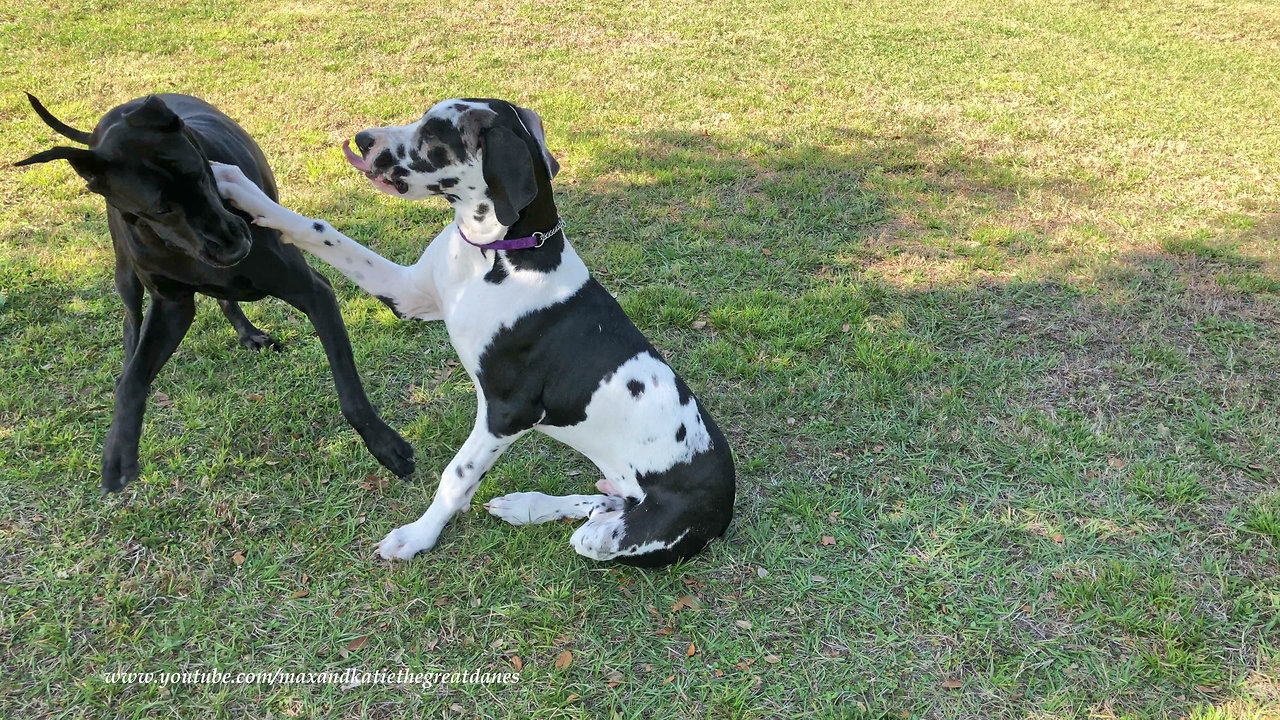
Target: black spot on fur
x,y
419,164
443,133
369,263
680,433
329,243
399,172
460,107
615,534
391,304
482,209
459,471
433,188
636,387
470,466
451,197
448,182
318,227
498,273
384,160
400,151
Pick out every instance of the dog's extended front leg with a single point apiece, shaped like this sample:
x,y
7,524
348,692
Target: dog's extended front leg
x,y
163,328
458,483
408,291
322,309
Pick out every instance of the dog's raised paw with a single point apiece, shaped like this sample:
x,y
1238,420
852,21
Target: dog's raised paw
x,y
404,542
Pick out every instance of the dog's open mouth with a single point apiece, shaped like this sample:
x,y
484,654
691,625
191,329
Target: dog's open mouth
x,y
379,181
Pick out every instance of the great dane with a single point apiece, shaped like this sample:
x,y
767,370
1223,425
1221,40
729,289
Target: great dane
x,y
149,158
546,346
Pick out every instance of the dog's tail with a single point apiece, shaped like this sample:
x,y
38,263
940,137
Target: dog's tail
x,y
79,136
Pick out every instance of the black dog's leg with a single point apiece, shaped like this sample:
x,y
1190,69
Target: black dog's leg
x,y
130,289
163,328
386,444
249,335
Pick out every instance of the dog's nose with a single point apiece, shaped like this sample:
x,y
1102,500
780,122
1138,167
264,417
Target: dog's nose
x,y
364,141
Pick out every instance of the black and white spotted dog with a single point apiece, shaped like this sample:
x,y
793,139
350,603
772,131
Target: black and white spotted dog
x,y
546,346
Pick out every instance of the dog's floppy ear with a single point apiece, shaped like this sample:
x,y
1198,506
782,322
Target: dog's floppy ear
x,y
533,124
87,164
153,114
508,171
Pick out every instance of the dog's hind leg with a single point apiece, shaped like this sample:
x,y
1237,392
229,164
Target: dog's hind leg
x,y
163,328
458,483
531,508
384,443
248,335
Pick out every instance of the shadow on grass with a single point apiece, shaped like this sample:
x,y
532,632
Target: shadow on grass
x,y
1028,457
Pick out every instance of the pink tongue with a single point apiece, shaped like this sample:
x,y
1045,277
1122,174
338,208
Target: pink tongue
x,y
356,161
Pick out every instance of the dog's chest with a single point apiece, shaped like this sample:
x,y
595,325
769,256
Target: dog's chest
x,y
477,309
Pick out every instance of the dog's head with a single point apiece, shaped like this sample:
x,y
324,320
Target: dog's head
x,y
149,166
487,157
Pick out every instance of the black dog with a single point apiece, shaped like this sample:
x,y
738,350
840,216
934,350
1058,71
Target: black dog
x,y
173,235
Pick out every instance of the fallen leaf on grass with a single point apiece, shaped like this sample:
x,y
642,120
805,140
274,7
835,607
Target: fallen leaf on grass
x,y
614,678
237,559
563,660
300,593
517,663
358,643
952,684
663,631
256,397
374,483
693,650
162,400
772,659
699,324
1058,538
744,624
828,540
686,601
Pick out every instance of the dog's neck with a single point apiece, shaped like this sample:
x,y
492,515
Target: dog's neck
x,y
541,215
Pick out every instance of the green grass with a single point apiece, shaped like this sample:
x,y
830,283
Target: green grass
x,y
990,298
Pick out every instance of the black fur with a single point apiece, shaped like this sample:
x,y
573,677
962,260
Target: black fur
x,y
174,237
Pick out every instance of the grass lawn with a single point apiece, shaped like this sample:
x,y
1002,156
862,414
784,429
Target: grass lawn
x,y
986,297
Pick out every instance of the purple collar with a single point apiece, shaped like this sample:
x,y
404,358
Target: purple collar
x,y
533,241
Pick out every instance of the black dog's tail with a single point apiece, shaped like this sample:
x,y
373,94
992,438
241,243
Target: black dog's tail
x,y
79,136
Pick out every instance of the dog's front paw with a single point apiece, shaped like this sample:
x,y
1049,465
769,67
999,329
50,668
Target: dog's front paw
x,y
118,469
406,541
241,192
393,451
